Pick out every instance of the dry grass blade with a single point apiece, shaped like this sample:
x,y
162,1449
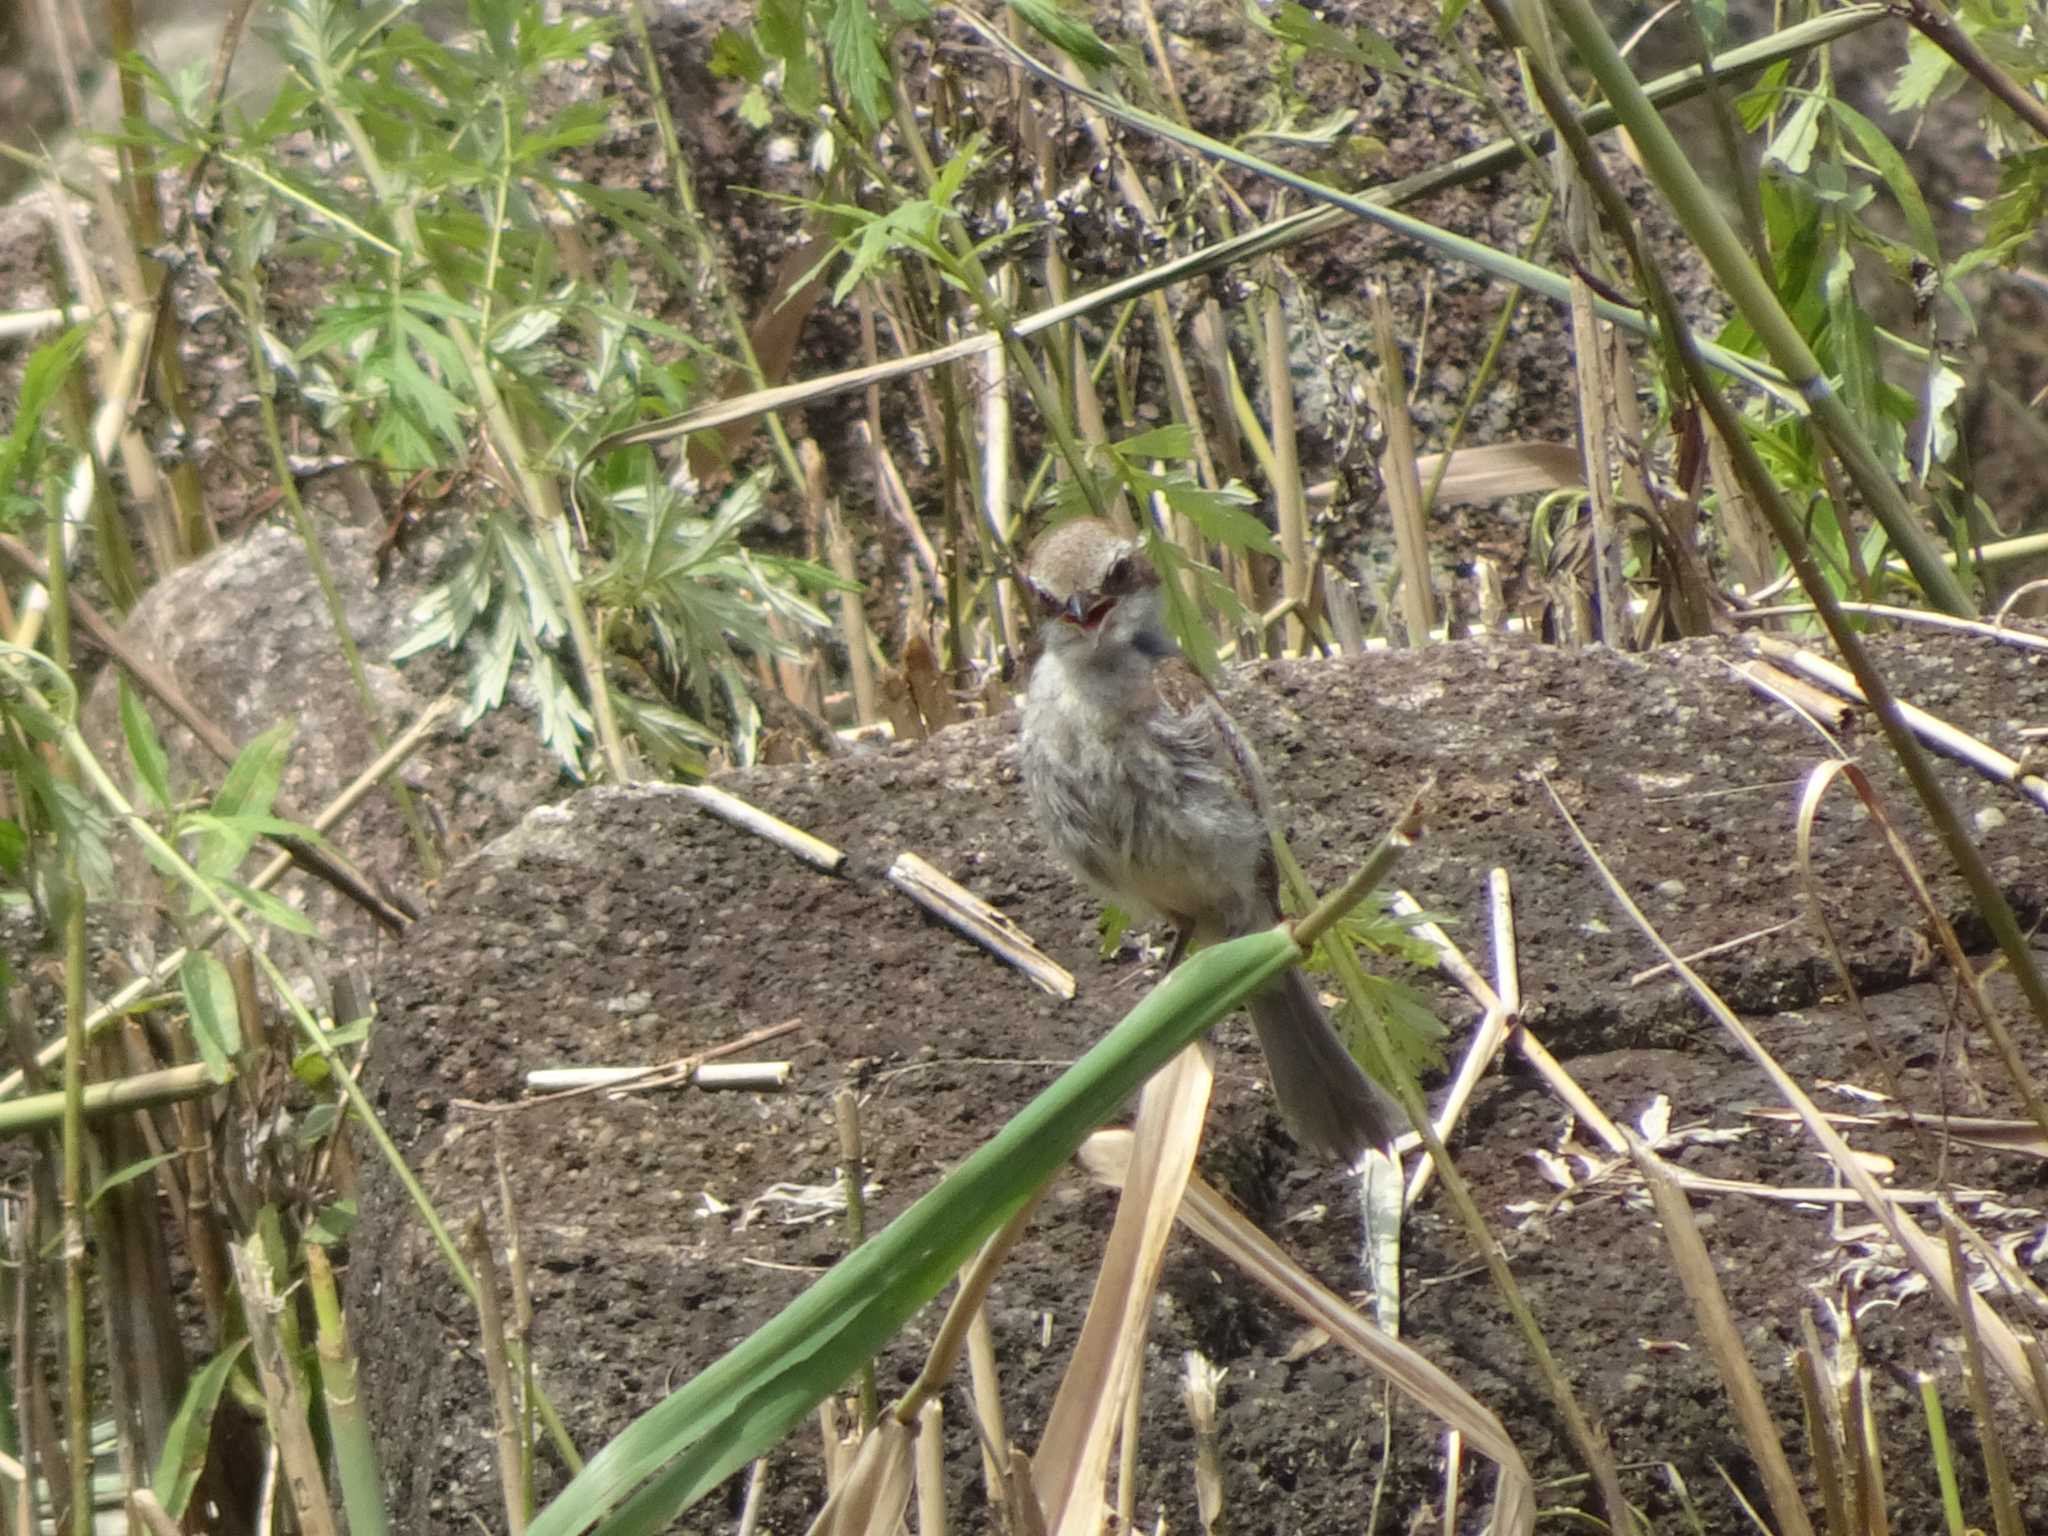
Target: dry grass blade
x,y
483,1261
1988,1132
1500,470
1198,1392
1823,711
2000,1342
734,811
958,907
1823,1432
1500,1020
931,1469
874,1492
1596,402
1397,473
1106,1156
1073,1456
2004,633
1932,729
1997,1472
1710,1307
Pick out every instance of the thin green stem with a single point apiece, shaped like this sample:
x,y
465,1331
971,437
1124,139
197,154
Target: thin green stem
x,y
71,894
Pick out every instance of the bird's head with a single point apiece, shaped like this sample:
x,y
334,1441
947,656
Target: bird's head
x,y
1080,575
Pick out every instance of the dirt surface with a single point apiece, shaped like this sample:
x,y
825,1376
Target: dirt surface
x,y
626,926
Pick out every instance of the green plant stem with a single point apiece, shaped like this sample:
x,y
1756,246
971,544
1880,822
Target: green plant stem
x,y
355,1457
1672,170
71,893
1320,923
37,1112
1489,365
700,239
1985,894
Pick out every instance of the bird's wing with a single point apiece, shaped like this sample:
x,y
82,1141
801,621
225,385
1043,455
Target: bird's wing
x,y
1188,695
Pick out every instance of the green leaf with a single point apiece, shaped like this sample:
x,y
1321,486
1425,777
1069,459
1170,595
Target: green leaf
x,y
1221,515
1173,441
333,1223
1793,145
216,1020
1365,48
251,784
854,44
734,56
48,367
1065,31
133,1171
152,766
184,1453
1891,166
277,913
1921,78
13,849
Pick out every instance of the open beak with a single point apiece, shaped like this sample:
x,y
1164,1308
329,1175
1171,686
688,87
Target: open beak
x,y
1086,610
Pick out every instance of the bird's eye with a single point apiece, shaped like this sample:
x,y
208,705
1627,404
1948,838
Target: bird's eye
x,y
1121,576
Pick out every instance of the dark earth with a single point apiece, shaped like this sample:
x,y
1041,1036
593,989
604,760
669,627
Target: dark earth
x,y
624,926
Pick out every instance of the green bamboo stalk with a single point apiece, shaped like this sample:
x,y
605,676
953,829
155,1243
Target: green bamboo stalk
x,y
71,917
45,1111
1672,170
355,1457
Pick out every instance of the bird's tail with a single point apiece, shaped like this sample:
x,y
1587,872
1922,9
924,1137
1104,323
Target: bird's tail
x,y
1329,1101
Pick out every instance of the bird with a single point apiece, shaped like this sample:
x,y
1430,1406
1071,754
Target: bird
x,y
1144,787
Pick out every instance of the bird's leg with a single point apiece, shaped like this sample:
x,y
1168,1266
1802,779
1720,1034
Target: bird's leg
x,y
1180,947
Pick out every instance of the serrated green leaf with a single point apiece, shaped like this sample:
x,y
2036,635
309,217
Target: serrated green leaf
x,y
48,367
853,43
735,56
1221,515
1926,70
209,994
